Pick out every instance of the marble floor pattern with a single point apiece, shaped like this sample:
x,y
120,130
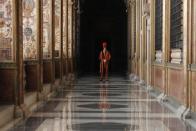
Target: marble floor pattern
x,y
90,105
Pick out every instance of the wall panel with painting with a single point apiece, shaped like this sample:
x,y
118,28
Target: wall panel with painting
x,y
70,35
30,43
7,51
58,42
47,40
65,38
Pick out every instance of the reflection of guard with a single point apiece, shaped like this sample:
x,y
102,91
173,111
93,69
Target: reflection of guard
x,y
104,58
104,105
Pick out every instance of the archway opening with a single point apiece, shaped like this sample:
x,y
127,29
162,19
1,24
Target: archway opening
x,y
102,20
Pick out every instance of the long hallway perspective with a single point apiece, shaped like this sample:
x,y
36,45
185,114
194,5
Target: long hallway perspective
x,y
53,55
90,105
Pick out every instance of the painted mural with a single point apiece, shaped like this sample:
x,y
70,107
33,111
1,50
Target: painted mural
x,y
29,30
57,27
6,30
47,45
65,29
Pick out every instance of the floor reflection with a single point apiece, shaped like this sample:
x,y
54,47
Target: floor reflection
x,y
118,105
104,105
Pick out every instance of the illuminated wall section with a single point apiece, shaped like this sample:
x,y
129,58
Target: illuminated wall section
x,y
65,29
70,29
29,29
57,28
6,30
47,18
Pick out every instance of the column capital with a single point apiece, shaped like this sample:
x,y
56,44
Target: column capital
x,y
146,10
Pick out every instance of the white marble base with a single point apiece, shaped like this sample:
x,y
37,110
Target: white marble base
x,y
160,97
187,114
142,82
180,111
149,88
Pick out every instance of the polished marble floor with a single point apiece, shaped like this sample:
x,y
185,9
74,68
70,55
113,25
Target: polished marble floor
x,y
90,105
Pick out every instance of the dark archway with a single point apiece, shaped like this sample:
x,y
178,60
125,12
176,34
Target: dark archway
x,y
102,20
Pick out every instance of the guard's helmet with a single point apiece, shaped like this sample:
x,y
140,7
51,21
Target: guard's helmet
x,y
104,44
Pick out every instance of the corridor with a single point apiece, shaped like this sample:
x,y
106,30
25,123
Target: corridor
x,y
90,105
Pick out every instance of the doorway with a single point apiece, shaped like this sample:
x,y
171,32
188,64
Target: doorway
x,y
102,20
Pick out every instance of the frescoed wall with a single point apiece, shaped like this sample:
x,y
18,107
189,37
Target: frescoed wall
x,y
6,30
47,45
57,27
29,30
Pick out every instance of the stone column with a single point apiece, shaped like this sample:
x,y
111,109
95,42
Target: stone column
x,y
129,36
78,32
166,41
137,37
19,90
67,40
73,35
152,34
53,42
142,42
61,37
40,45
133,36
187,18
149,59
70,37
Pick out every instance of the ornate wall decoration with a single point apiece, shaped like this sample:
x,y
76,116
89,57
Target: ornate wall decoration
x,y
29,29
47,45
65,29
57,28
6,30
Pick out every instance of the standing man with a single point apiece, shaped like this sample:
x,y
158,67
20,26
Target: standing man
x,y
104,58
